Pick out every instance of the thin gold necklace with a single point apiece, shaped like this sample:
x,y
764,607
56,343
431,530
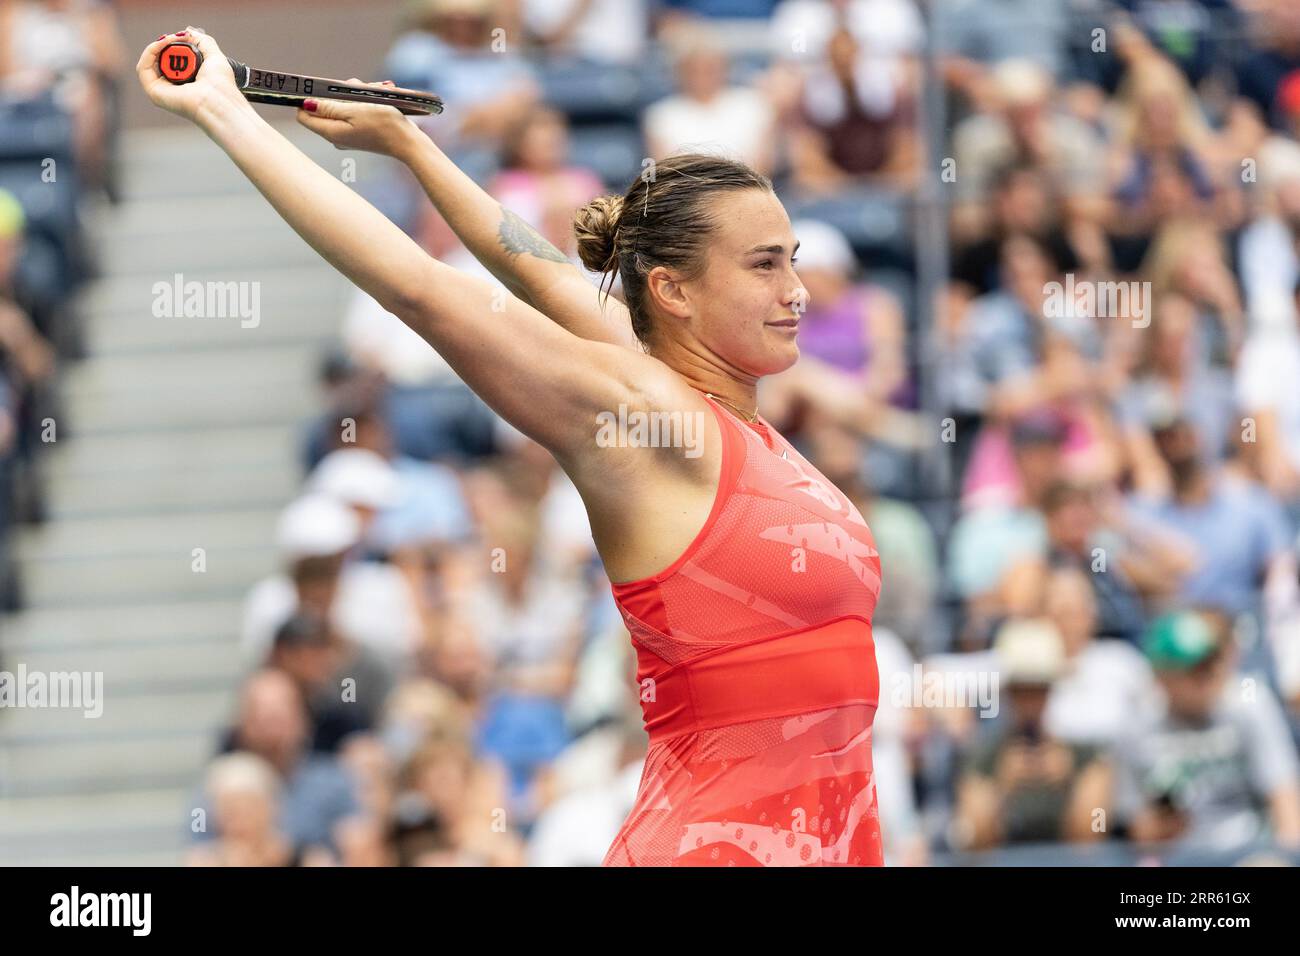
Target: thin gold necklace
x,y
742,411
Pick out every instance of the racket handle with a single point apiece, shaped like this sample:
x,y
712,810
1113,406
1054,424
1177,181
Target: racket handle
x,y
179,63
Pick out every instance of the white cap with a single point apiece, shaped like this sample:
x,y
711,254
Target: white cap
x,y
316,525
1030,651
822,246
356,476
1021,82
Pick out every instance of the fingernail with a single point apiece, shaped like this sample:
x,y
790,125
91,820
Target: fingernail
x,y
310,105
163,37
182,34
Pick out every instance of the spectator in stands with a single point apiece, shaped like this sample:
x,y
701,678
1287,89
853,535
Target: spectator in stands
x,y
423,710
1268,250
450,47
464,801
1263,74
1107,684
528,616
989,538
1164,153
974,34
70,51
1268,395
364,841
856,122
1026,127
1188,256
895,734
1171,378
1189,32
740,22
273,724
376,607
29,356
581,821
707,113
373,769
1022,203
10,597
890,29
1008,357
343,689
600,31
1216,768
427,504
26,354
1076,540
430,412
856,327
314,535
539,183
1241,537
246,795
1024,785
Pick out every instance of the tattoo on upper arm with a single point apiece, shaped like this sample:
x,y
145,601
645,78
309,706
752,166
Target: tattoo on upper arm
x,y
516,237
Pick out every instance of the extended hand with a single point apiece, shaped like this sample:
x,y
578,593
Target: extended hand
x,y
368,126
215,80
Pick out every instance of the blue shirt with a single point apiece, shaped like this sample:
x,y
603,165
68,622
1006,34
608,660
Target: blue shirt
x,y
317,795
1238,530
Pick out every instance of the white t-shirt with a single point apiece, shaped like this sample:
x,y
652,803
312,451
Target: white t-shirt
x,y
800,29
1109,685
1268,377
373,607
611,31
536,631
738,120
577,829
1269,270
899,815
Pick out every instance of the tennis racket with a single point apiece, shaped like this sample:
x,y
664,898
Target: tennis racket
x,y
179,62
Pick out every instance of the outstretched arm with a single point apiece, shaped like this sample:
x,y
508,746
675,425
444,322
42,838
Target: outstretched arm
x,y
548,383
512,250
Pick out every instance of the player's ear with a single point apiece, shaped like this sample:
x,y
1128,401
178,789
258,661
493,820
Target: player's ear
x,y
667,291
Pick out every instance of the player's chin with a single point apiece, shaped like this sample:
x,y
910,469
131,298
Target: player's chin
x,y
780,355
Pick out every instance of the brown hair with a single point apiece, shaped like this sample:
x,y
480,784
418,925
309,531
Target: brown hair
x,y
662,220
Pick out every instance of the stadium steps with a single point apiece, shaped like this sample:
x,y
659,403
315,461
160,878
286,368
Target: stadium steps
x,y
177,433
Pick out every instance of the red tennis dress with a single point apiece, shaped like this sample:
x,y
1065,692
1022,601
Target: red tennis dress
x,y
757,675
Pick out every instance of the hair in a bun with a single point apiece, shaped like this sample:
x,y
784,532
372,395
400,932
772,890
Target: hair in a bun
x,y
664,219
596,226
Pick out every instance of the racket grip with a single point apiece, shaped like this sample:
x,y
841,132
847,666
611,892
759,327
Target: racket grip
x,y
179,63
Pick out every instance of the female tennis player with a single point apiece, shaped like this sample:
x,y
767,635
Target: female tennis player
x,y
746,579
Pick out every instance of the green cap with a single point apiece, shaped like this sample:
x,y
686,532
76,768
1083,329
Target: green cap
x,y
12,219
1179,640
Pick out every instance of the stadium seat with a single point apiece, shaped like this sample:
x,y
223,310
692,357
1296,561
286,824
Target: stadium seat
x,y
34,130
875,222
588,92
52,213
613,151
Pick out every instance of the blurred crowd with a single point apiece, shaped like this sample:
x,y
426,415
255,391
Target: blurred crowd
x,y
60,69
1070,415
1090,498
